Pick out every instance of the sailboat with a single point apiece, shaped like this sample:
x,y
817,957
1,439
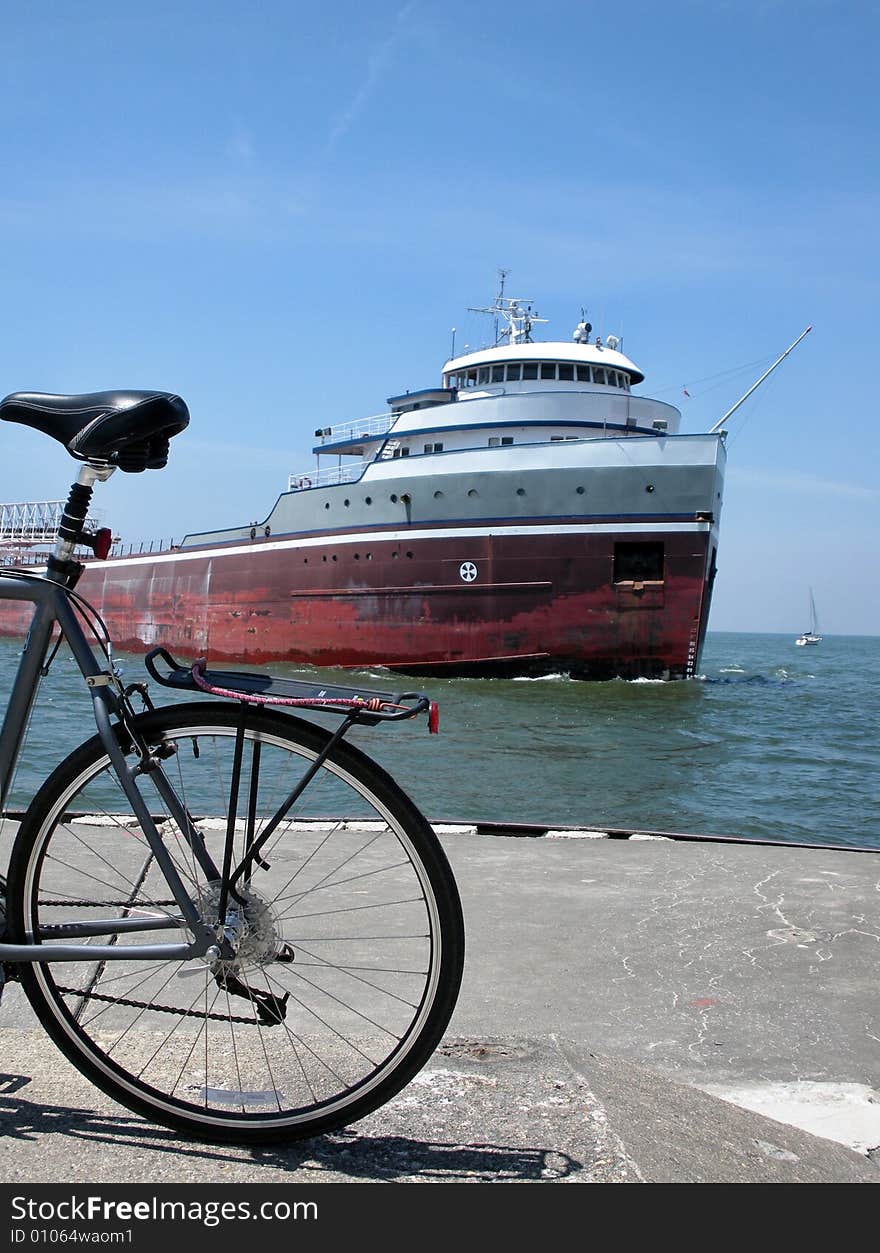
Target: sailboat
x,y
812,636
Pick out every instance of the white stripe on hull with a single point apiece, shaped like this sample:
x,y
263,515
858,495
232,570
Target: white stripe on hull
x,y
411,533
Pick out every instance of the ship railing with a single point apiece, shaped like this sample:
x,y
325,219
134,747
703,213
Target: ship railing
x,y
17,557
377,424
330,477
142,548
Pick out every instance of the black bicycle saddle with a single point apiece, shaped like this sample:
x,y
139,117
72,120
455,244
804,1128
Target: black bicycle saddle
x,y
127,429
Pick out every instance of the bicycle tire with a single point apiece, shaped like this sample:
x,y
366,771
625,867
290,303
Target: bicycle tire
x,y
375,915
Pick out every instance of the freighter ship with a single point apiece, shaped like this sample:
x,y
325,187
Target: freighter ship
x,y
531,514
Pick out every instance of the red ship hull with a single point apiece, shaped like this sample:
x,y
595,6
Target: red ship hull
x,y
513,600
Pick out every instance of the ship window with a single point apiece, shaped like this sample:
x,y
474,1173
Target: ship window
x,y
583,373
566,373
548,369
598,374
638,562
494,441
497,373
530,370
483,375
433,447
471,378
513,373
506,439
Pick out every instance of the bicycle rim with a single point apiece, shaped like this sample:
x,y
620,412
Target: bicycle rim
x,y
350,941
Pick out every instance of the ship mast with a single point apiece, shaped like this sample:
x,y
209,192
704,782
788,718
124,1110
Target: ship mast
x,y
516,312
718,425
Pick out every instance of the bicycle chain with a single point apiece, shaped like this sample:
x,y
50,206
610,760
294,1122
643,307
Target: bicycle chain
x,y
163,1009
106,904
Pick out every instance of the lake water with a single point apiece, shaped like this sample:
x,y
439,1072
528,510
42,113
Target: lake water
x,y
771,741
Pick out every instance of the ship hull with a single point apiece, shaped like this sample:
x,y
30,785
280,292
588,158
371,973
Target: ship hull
x,y
595,600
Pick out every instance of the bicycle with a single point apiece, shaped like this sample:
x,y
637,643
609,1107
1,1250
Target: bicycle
x,y
230,920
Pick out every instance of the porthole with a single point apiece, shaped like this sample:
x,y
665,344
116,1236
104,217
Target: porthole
x,y
333,558
409,555
650,487
368,500
473,492
393,498
520,491
438,495
326,504
580,491
346,503
357,556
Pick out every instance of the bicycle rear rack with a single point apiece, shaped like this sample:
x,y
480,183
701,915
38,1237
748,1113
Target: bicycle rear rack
x,y
363,705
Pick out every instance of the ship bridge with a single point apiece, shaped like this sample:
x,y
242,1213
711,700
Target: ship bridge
x,y
525,365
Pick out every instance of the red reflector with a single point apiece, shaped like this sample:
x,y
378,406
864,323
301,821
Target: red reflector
x,y
434,717
103,543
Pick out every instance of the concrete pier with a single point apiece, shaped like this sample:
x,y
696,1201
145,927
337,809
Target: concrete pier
x,y
633,1010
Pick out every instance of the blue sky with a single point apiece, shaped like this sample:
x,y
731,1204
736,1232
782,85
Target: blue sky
x,y
281,213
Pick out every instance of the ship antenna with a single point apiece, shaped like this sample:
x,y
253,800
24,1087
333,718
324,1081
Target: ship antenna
x,y
499,299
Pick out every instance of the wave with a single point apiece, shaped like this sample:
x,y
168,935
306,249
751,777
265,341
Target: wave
x,y
778,679
542,678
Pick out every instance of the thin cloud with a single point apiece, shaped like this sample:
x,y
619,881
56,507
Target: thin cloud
x,y
240,145
378,65
803,483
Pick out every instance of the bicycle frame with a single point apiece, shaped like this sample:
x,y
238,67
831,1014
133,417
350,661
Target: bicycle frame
x,y
52,605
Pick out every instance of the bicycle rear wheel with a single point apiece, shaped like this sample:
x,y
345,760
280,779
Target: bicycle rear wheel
x,y
352,930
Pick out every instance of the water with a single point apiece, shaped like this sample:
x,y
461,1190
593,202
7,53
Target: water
x,y
770,742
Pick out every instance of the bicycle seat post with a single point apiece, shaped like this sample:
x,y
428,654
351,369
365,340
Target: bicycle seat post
x,y
70,530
